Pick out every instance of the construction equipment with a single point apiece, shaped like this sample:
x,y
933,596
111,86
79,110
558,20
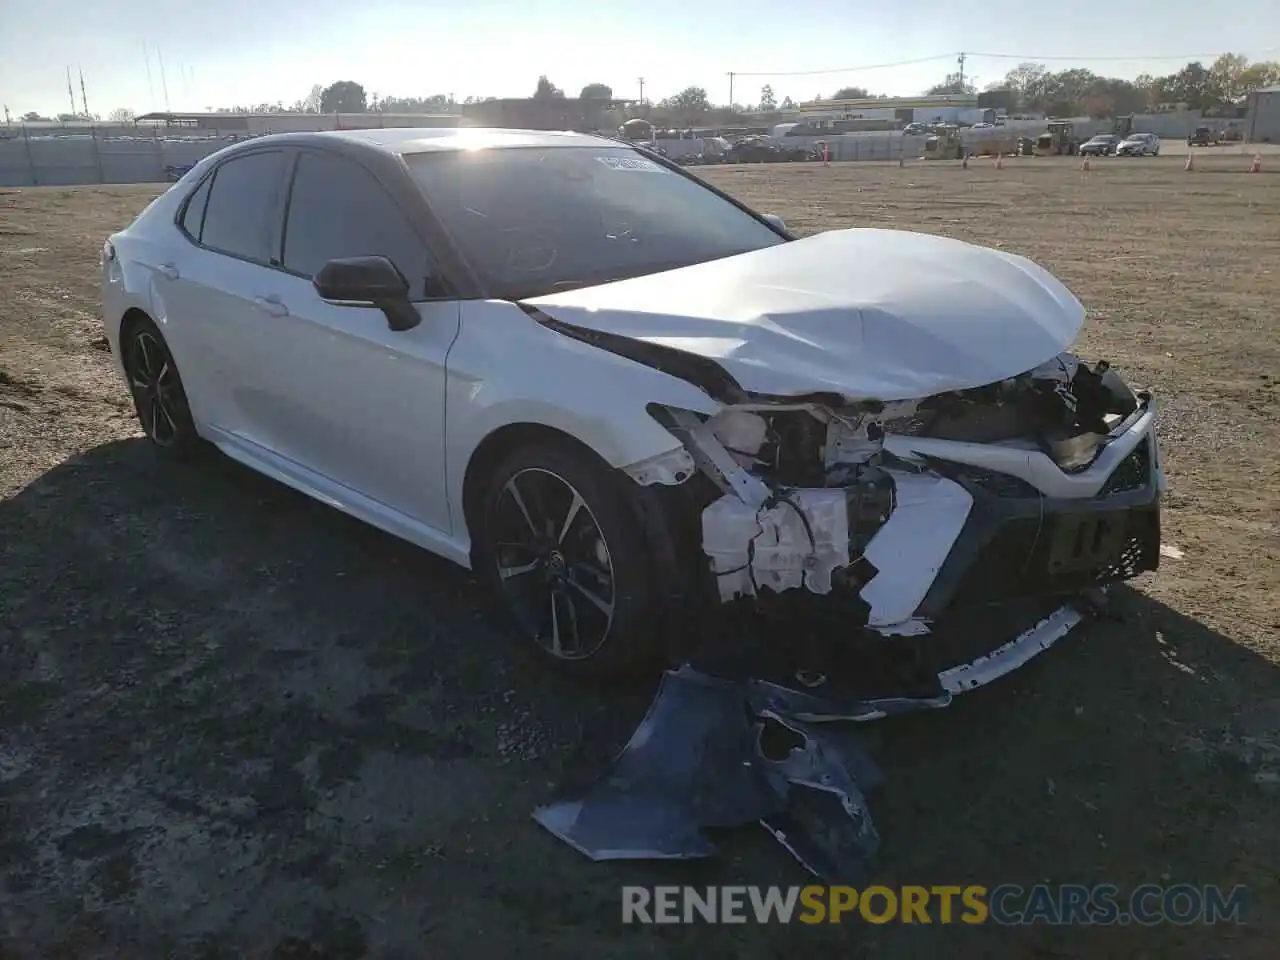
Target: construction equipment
x,y
944,144
1122,126
1059,139
994,147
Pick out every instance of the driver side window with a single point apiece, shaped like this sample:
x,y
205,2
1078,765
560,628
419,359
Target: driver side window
x,y
338,209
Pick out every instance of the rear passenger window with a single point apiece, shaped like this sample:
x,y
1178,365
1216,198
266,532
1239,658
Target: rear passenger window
x,y
193,216
240,214
338,209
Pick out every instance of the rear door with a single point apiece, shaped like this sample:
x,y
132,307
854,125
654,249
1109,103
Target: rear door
x,y
231,225
336,389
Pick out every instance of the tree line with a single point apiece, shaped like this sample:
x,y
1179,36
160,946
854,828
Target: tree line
x,y
1027,88
1220,87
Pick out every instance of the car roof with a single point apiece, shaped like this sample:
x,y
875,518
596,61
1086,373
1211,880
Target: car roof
x,y
410,140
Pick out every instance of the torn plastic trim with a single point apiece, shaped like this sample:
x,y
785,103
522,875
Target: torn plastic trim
x,y
1034,466
707,375
1016,653
911,547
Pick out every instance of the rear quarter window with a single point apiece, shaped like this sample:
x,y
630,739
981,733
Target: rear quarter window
x,y
193,214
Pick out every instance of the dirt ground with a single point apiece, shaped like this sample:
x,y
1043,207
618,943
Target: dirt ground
x,y
236,723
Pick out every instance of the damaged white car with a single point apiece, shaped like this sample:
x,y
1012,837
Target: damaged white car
x,y
624,398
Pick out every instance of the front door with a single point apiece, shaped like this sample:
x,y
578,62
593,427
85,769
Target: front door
x,y
339,391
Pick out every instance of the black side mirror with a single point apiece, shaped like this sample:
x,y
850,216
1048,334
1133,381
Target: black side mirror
x,y
369,281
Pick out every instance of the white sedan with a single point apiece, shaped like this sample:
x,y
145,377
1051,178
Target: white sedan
x,y
1139,145
622,397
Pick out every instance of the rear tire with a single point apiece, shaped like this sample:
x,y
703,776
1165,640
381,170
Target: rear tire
x,y
159,399
560,545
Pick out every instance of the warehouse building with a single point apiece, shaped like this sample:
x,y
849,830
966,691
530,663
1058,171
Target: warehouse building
x,y
1262,116
899,110
256,124
542,113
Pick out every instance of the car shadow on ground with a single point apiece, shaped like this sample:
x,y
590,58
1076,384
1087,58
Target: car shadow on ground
x,y
234,716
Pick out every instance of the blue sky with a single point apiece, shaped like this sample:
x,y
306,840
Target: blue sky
x,y
250,51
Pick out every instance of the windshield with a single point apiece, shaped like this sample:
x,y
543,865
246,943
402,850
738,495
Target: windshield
x,y
533,221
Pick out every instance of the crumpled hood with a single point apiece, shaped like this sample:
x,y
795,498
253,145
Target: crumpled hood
x,y
883,314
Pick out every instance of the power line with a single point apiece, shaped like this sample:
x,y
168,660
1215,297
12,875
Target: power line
x,y
874,66
1022,57
1175,56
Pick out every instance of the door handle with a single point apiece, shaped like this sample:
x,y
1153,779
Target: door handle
x,y
169,271
271,306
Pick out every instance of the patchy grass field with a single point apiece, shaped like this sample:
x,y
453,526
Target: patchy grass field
x,y
230,716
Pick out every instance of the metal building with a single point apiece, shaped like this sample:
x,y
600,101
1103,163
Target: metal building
x,y
1262,116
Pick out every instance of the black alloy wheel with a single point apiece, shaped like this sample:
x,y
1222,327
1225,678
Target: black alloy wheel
x,y
561,546
554,564
158,395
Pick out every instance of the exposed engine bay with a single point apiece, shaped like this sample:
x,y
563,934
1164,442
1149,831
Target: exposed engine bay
x,y
870,498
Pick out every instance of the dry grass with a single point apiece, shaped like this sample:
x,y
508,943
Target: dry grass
x,y
231,715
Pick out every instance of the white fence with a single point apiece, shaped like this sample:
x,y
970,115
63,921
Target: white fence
x,y
63,161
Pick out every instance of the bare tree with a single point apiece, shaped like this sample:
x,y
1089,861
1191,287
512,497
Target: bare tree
x,y
311,103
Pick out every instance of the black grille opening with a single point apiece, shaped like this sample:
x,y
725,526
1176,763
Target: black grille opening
x,y
1133,472
1027,558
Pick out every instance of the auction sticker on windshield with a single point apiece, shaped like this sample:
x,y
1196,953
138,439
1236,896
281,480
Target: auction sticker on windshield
x,y
631,163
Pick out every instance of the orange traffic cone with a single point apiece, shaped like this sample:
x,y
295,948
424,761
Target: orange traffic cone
x,y
1190,166
999,161
1256,166
1084,164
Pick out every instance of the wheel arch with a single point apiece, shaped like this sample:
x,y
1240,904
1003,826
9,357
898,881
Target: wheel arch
x,y
500,442
664,516
132,319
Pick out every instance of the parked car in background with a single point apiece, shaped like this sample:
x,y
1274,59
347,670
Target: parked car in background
x,y
714,150
757,150
1103,145
1139,145
1203,137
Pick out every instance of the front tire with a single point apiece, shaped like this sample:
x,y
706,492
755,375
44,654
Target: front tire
x,y
158,395
560,545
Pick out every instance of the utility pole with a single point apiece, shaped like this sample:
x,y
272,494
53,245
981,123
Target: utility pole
x,y
961,62
70,92
640,80
164,84
151,90
84,100
730,89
